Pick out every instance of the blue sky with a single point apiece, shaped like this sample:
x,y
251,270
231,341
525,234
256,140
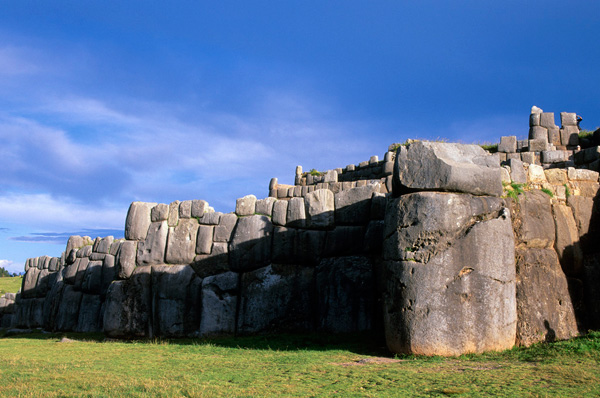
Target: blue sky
x,y
106,102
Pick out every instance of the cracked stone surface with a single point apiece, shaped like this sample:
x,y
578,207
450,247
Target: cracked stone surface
x,y
453,290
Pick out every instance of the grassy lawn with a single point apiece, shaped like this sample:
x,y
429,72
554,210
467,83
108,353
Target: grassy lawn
x,y
10,284
45,365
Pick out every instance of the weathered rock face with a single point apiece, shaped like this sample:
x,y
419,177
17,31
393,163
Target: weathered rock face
x,y
219,301
448,282
138,220
152,250
250,246
544,305
181,243
438,166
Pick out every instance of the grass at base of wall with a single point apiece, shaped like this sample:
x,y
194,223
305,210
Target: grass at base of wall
x,y
10,284
46,365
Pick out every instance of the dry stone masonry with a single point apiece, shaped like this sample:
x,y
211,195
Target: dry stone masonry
x,y
442,249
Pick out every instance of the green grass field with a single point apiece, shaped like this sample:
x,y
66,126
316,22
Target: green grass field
x,y
41,365
10,284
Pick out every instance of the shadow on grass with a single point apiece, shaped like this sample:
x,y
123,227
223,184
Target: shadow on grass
x,y
359,343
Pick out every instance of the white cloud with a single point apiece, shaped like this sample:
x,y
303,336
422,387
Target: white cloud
x,y
11,266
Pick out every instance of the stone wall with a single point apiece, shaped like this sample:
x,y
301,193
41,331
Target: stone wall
x,y
451,253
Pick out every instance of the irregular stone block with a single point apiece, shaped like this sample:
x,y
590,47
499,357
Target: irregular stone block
x,y
538,145
534,119
92,278
517,171
568,119
198,208
296,213
320,209
538,133
219,301
265,206
556,176
138,220
460,297
537,225
508,144
569,135
181,243
297,246
446,167
89,314
354,205
160,212
211,218
582,174
77,242
245,206
217,262
109,274
344,241
276,298
547,119
222,232
587,155
104,244
176,292
554,136
250,246
544,314
331,176
555,156
185,209
280,212
567,240
583,209
536,174
173,219
68,311
30,283
345,294
54,264
152,249
205,239
125,261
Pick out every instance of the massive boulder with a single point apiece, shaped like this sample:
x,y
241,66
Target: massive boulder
x,y
448,279
250,246
439,166
138,220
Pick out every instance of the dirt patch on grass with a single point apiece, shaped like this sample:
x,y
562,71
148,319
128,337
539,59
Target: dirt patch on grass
x,y
372,360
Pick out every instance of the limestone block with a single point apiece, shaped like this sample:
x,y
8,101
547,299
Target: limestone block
x,y
568,119
181,242
508,144
138,220
544,314
114,247
535,174
280,212
89,316
79,276
199,208
205,239
567,240
537,225
70,272
345,294
176,300
104,244
152,249
126,259
354,205
185,209
547,119
128,305
538,145
276,298
555,156
30,283
517,171
250,246
556,176
569,135
320,209
350,167
212,218
554,136
173,219
538,133
534,119
160,212
344,241
457,292
219,300
54,264
582,174
297,246
77,242
265,206
446,167
245,206
296,213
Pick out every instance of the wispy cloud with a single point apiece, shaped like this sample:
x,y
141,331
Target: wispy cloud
x,y
62,237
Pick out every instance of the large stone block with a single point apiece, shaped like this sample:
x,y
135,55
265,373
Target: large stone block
x,y
68,311
89,314
545,311
296,213
199,207
547,120
92,278
181,243
276,298
138,220
567,240
508,144
320,209
219,301
517,171
223,230
176,300
126,259
536,227
160,212
265,206
446,167
81,269
245,206
538,132
459,297
250,246
280,212
344,240
185,209
569,135
353,206
568,119
204,241
297,246
216,262
152,249
345,294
